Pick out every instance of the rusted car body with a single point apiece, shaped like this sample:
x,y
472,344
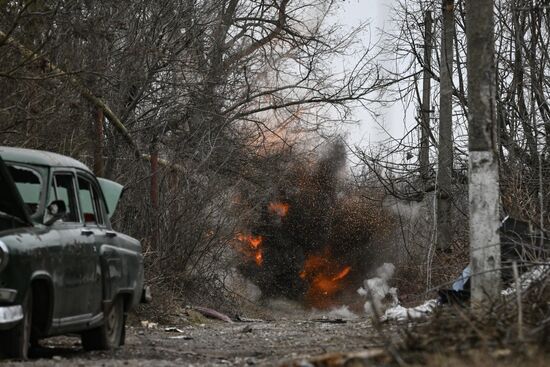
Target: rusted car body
x,y
63,269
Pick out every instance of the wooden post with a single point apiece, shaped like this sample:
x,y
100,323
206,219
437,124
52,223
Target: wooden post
x,y
484,176
424,157
154,177
445,153
155,225
98,142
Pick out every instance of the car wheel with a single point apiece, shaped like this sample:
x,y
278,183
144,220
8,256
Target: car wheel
x,y
16,341
110,334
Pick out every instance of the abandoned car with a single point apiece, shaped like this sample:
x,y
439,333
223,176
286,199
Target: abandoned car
x,y
63,269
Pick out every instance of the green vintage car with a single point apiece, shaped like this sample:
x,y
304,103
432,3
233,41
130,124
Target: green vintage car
x,y
63,269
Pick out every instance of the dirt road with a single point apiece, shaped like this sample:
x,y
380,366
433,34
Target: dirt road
x,y
215,343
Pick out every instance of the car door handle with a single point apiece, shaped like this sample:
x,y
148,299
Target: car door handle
x,y
86,232
110,234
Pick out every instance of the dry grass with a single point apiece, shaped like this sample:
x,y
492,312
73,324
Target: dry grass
x,y
479,358
410,277
456,336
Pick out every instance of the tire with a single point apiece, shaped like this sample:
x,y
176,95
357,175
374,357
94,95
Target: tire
x,y
110,334
15,342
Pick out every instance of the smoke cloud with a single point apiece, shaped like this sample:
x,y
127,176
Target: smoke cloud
x,y
380,296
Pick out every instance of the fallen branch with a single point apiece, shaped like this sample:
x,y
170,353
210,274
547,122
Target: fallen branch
x,y
213,314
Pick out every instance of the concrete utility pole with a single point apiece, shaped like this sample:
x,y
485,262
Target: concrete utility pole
x,y
424,157
445,151
484,176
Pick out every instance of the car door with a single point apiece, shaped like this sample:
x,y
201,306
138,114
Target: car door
x,y
75,271
121,258
92,207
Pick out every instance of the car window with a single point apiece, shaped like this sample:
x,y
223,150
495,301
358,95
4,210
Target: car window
x,y
29,185
89,201
63,187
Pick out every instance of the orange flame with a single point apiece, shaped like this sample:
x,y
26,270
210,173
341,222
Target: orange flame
x,y
259,257
324,276
251,248
278,208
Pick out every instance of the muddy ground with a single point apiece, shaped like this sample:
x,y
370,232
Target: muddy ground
x,y
215,343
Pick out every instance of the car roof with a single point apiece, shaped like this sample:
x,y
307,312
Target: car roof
x,y
40,157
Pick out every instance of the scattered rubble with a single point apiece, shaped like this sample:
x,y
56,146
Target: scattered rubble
x,y
218,343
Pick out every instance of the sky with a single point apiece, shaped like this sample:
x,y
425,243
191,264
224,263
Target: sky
x,y
370,131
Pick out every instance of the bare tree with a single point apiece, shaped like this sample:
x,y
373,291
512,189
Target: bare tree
x,y
424,157
215,94
521,56
445,144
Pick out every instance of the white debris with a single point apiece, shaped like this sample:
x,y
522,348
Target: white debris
x,y
528,278
383,298
400,313
148,324
173,329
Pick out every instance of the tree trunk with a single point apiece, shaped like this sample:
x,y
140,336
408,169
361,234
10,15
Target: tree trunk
x,y
484,179
445,156
424,157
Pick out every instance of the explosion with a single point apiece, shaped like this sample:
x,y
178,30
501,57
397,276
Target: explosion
x,y
324,277
251,247
311,239
280,209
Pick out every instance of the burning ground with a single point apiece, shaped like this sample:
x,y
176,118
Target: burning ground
x,y
312,239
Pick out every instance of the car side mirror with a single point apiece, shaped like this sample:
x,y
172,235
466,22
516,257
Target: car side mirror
x,y
56,210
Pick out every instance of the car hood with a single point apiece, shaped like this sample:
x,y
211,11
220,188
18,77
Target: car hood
x,y
10,200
